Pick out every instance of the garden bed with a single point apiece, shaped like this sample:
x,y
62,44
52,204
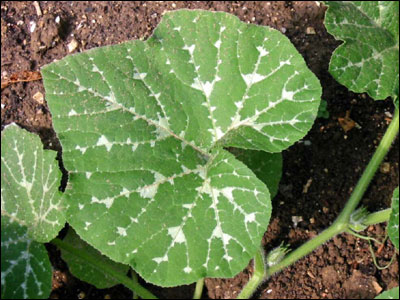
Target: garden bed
x,y
318,173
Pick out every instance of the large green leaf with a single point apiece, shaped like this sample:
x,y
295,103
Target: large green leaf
x,y
390,294
86,272
393,226
25,267
142,125
30,178
368,60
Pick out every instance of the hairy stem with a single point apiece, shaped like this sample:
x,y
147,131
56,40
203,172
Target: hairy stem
x,y
341,224
257,278
378,217
105,268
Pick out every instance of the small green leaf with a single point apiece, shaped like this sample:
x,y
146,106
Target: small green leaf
x,y
25,266
390,294
80,269
368,60
143,126
393,226
266,166
30,178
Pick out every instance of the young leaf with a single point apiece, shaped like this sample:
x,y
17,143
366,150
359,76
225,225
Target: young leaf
x,y
25,266
29,184
142,125
266,166
393,226
80,269
368,60
390,294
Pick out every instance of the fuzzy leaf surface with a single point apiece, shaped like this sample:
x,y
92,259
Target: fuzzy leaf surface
x,y
142,125
393,226
368,60
30,177
25,266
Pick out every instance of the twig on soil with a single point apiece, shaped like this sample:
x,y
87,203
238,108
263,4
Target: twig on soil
x,y
23,76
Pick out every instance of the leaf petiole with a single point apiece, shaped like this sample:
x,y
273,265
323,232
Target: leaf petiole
x,y
199,289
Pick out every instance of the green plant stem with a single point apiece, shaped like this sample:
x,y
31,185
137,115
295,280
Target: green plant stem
x,y
378,217
258,276
305,249
369,172
199,289
341,224
104,268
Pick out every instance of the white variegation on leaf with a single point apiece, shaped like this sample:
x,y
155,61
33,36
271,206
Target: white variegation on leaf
x,y
30,178
368,60
393,225
142,125
266,166
25,266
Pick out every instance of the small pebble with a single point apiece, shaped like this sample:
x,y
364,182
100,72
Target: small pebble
x,y
385,168
307,143
310,30
296,220
283,29
72,45
38,97
32,26
37,8
388,114
173,5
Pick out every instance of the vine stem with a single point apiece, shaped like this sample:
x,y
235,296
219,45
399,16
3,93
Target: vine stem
x,y
199,289
341,223
105,268
378,217
257,278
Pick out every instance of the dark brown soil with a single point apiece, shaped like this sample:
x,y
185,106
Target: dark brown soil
x,y
319,172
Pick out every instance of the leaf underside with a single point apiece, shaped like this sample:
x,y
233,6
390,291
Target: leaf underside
x,y
393,225
142,125
368,60
84,271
